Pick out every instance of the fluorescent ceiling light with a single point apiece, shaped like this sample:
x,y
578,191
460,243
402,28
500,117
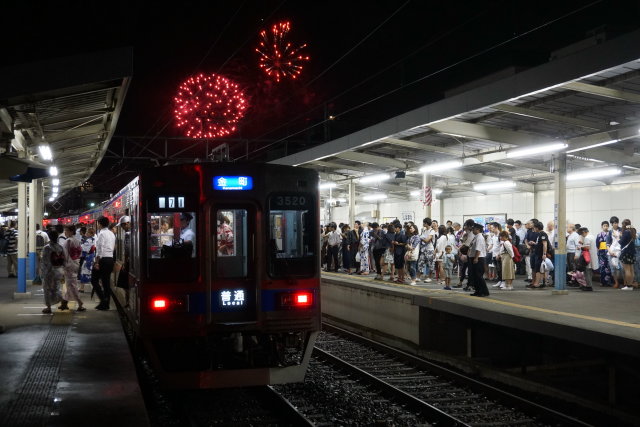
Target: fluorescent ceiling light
x,y
53,171
374,197
494,185
327,185
613,141
416,193
440,166
45,152
374,178
55,181
586,159
631,167
339,199
437,191
539,149
51,199
593,173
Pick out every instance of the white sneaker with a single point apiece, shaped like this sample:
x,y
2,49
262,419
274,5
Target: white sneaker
x,y
413,283
627,288
498,285
427,280
503,285
508,288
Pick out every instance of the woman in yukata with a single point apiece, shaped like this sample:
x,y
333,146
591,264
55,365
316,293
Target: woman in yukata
x,y
89,253
51,271
363,250
603,255
72,252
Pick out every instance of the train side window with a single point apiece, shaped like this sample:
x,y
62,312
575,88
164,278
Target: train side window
x,y
291,243
172,235
231,243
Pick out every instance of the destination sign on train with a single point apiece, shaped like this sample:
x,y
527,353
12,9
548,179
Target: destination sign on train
x,y
232,183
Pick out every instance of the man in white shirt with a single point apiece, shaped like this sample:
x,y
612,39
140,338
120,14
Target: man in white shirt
x,y
477,255
334,239
551,232
103,264
572,245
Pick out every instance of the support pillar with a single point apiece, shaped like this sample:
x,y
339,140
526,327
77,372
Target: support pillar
x,y
560,220
441,203
426,182
352,202
33,214
21,290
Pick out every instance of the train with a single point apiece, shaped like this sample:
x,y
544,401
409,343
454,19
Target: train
x,y
223,271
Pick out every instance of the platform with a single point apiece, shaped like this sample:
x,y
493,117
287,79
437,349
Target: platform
x,y
606,318
64,369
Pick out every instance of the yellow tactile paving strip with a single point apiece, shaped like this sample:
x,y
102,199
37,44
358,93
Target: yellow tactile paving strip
x,y
491,301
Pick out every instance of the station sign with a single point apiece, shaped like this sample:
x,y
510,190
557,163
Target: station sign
x,y
232,298
232,183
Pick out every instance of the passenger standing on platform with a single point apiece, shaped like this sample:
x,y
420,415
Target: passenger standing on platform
x,y
496,250
636,265
427,253
346,248
627,253
11,235
72,253
51,271
42,240
61,236
530,242
365,261
588,243
441,244
334,240
551,233
448,261
466,260
88,254
413,251
399,249
521,233
614,231
603,255
539,253
356,234
572,246
389,237
378,242
103,265
477,255
506,260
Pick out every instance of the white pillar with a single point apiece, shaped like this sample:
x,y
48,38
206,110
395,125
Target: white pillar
x,y
441,203
560,220
21,290
352,202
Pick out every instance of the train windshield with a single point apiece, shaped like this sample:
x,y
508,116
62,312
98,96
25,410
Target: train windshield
x,y
232,243
172,235
291,249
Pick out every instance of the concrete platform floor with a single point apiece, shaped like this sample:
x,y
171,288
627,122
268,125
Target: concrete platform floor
x,y
605,310
64,369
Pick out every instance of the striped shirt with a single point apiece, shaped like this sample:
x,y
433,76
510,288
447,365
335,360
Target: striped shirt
x,y
12,241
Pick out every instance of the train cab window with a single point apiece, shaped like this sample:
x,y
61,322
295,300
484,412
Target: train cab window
x,y
291,248
172,235
231,243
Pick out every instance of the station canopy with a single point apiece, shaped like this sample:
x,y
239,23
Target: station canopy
x,y
68,107
584,102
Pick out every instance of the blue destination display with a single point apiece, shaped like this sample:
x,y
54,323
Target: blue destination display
x,y
232,183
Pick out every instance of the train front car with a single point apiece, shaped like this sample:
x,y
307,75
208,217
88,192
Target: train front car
x,y
227,278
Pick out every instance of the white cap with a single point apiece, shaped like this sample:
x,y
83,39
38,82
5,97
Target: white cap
x,y
124,219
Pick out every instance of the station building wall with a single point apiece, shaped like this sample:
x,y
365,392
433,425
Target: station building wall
x,y
588,206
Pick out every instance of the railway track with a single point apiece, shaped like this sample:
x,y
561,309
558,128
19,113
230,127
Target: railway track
x,y
451,398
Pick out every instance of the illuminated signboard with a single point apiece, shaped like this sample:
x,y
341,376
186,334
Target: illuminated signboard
x,y
170,202
232,298
232,183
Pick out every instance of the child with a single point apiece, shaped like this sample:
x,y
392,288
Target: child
x,y
448,259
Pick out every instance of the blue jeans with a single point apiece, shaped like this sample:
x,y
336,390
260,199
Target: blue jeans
x,y
412,269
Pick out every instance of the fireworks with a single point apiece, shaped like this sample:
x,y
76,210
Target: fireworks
x,y
209,106
278,58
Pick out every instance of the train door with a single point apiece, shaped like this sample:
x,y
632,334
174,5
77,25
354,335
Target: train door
x,y
232,261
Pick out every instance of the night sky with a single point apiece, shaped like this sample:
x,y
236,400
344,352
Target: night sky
x,y
357,73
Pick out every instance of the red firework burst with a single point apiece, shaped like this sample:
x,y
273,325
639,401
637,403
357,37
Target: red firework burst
x,y
209,106
278,58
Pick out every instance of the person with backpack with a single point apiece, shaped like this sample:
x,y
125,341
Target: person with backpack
x,y
51,271
507,258
12,250
41,241
72,253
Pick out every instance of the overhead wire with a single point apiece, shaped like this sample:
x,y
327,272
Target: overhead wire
x,y
439,71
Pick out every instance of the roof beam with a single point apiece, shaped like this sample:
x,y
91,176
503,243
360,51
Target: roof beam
x,y
543,115
332,165
621,134
371,159
486,133
603,91
421,146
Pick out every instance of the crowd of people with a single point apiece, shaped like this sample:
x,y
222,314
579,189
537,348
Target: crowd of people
x,y
69,259
473,254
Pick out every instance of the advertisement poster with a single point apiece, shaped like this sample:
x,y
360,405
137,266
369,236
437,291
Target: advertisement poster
x,y
485,219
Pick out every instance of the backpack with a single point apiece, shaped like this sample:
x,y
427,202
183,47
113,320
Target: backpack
x,y
516,254
57,259
39,241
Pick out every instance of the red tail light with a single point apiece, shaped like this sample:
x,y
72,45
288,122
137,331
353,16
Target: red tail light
x,y
174,304
296,300
159,304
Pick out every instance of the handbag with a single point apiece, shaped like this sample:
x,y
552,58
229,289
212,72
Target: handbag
x,y
586,255
358,257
